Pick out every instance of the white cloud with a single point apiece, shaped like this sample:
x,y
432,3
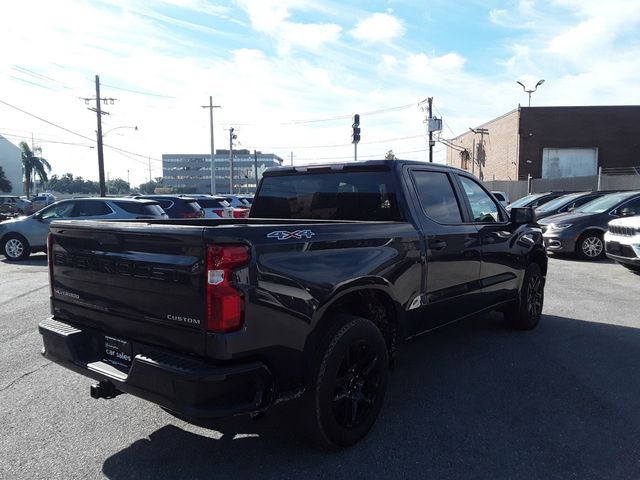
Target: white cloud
x,y
379,28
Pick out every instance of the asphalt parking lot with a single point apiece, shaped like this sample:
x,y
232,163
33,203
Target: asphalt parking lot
x,y
473,400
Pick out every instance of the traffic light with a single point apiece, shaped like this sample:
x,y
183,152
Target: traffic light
x,y
355,136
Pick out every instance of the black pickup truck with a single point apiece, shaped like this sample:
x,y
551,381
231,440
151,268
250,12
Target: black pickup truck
x,y
308,300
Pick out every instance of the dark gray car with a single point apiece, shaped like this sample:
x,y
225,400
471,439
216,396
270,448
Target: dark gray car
x,y
567,203
582,231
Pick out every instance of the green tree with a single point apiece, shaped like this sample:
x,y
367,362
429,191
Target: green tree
x,y
390,155
5,185
149,188
67,183
118,186
34,165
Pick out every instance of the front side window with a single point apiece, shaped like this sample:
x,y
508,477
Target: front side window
x,y
437,196
483,208
61,210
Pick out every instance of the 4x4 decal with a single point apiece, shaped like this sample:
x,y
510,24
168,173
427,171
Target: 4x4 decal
x,y
284,235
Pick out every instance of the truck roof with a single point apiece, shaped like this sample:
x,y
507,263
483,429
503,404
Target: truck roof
x,y
366,164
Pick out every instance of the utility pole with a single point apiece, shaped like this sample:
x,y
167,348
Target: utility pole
x,y
128,181
255,167
431,142
292,159
232,137
211,106
355,135
149,168
481,151
99,113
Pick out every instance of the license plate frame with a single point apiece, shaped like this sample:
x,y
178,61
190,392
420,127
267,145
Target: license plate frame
x,y
118,352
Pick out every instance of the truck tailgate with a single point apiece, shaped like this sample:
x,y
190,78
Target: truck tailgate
x,y
139,281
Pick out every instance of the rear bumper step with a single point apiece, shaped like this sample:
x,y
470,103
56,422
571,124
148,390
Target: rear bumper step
x,y
176,382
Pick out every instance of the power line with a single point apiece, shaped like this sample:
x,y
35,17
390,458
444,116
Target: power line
x,y
44,140
139,92
342,144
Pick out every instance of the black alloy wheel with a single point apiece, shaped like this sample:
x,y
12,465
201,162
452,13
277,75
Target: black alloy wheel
x,y
348,384
525,313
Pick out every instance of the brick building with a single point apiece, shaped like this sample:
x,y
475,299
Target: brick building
x,y
550,142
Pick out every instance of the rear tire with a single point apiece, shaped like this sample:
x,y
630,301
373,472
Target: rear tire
x,y
526,313
590,246
349,382
15,247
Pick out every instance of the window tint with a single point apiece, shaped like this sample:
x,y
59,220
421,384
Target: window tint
x,y
193,206
498,196
633,205
212,203
437,196
139,208
330,196
85,208
165,204
61,210
483,208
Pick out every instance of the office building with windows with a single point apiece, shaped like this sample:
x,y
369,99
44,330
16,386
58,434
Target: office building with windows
x,y
191,173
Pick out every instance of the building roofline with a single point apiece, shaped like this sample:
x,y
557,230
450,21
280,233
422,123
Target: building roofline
x,y
489,121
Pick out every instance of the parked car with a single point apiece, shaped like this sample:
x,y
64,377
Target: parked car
x,y
582,231
567,203
622,241
240,204
22,236
502,197
41,201
214,206
9,204
307,301
177,206
247,197
534,200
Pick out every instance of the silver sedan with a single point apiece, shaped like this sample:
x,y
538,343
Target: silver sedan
x,y
22,236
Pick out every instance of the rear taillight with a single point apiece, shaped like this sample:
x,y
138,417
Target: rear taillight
x,y
50,261
240,212
224,301
193,214
217,211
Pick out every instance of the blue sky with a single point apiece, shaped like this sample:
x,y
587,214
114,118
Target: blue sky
x,y
290,73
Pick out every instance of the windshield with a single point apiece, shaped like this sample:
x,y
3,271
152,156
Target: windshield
x,y
524,201
603,204
557,203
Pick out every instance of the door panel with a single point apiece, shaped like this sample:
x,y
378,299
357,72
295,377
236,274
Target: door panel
x,y
500,266
452,251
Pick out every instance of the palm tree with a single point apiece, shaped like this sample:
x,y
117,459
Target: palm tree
x,y
5,185
33,165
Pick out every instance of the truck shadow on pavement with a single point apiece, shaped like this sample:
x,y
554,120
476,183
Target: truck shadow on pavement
x,y
474,400
32,261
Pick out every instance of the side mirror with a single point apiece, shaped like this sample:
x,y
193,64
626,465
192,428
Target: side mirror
x,y
627,212
522,216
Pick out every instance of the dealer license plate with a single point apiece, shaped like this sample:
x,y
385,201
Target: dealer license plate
x,y
117,352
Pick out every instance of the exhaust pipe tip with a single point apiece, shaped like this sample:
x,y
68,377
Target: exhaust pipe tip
x,y
104,389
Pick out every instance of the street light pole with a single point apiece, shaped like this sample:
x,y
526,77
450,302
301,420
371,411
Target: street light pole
x,y
211,106
540,82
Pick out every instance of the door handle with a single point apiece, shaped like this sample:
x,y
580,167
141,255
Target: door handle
x,y
437,245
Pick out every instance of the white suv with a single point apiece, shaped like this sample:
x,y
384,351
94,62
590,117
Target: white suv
x,y
622,242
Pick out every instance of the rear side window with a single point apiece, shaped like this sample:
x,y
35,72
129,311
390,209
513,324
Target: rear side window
x,y
498,196
165,204
437,196
91,209
139,208
368,196
212,203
